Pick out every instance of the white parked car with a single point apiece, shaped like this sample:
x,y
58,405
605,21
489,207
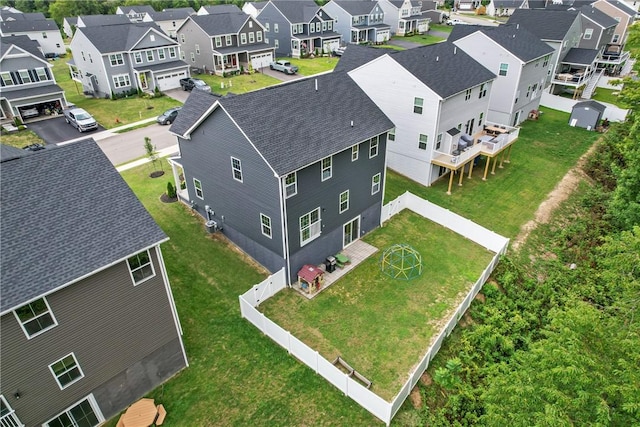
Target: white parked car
x,y
80,119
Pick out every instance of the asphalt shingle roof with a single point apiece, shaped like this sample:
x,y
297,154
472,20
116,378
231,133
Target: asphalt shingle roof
x,y
356,55
23,42
356,7
99,20
25,25
580,56
220,23
623,7
598,16
48,240
171,14
50,89
222,8
507,3
276,119
545,24
297,11
443,67
590,104
119,37
517,40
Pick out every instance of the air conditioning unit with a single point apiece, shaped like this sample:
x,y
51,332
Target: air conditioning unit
x,y
211,225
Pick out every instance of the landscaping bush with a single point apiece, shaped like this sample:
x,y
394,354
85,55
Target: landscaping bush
x,y
171,190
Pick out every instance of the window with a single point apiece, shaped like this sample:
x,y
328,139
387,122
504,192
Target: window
x,y
121,80
534,90
275,27
141,267
467,95
42,74
291,185
276,43
243,38
197,47
503,69
24,76
528,91
237,169
265,222
615,38
483,90
6,79
252,37
375,183
417,105
198,187
250,24
218,41
172,52
44,35
344,201
355,151
324,26
294,29
66,371
82,414
116,59
193,57
267,27
326,168
422,142
439,139
391,135
588,33
182,55
35,317
150,57
373,147
161,54
182,38
7,414
329,26
227,40
259,36
310,226
480,119
546,61
137,57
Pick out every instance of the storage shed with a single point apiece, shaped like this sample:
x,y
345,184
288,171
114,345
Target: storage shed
x,y
587,114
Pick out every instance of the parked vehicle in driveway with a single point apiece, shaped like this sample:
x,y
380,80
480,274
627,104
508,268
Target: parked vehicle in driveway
x,y
168,116
190,83
456,22
30,112
80,119
284,66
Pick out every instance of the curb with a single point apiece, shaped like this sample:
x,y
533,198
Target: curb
x,y
165,152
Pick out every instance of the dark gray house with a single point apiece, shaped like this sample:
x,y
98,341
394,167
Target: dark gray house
x,y
289,182
298,27
586,114
88,320
223,43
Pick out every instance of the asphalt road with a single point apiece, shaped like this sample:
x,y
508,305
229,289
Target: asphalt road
x,y
55,130
124,147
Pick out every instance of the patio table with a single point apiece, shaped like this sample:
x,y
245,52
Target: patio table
x,y
141,414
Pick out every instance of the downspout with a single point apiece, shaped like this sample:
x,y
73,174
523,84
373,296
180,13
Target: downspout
x,y
285,230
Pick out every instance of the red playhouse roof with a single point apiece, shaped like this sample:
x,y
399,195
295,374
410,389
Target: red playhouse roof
x,y
309,273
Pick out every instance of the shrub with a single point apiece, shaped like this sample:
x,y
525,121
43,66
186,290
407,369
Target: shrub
x,y
171,190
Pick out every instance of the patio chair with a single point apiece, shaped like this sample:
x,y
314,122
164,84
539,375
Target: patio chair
x,y
162,413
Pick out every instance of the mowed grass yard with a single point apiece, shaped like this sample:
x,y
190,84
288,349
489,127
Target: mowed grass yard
x,y
382,326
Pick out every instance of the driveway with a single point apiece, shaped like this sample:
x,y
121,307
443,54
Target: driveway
x,y
280,75
404,44
55,130
178,94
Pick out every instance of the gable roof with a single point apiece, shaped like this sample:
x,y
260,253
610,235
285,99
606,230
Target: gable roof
x,y
119,37
545,24
26,25
137,9
443,67
599,17
356,55
34,16
356,7
171,14
623,7
258,5
590,104
220,23
42,253
507,3
221,8
97,20
285,136
297,11
8,152
580,56
515,39
23,42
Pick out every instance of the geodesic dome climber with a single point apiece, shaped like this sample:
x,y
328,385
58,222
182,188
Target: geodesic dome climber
x,y
401,261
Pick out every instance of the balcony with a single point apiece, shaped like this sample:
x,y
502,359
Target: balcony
x,y
572,77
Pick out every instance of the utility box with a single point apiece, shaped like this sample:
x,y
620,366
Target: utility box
x,y
211,225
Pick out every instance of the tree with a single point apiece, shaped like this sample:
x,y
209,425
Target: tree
x,y
153,156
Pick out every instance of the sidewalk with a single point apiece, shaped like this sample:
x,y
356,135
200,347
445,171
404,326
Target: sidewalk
x,y
161,153
110,132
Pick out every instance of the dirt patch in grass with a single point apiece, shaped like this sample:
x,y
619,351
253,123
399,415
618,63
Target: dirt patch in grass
x,y
559,194
416,398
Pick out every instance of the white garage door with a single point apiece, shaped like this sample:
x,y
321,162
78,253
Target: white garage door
x,y
331,45
383,36
261,60
170,81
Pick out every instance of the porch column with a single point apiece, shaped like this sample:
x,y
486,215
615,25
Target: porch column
x,y
509,154
461,176
450,181
504,153
471,166
486,168
493,169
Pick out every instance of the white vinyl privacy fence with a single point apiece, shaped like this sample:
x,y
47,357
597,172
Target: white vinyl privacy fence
x,y
373,403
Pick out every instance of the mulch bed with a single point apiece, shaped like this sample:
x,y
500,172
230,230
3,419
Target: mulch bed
x,y
166,199
156,174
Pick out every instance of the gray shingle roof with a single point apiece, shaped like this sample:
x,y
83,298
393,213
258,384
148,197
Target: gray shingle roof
x,y
598,16
26,25
284,135
34,16
590,104
356,7
8,152
98,20
356,55
23,42
545,24
137,9
50,89
221,23
297,11
517,40
118,38
580,56
48,240
623,7
222,8
171,14
443,67
507,3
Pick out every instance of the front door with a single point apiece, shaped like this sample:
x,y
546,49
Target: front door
x,y
350,232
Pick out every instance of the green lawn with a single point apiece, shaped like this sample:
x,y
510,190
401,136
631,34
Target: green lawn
x,y
420,38
238,84
441,27
544,152
379,325
311,66
109,113
608,95
21,139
